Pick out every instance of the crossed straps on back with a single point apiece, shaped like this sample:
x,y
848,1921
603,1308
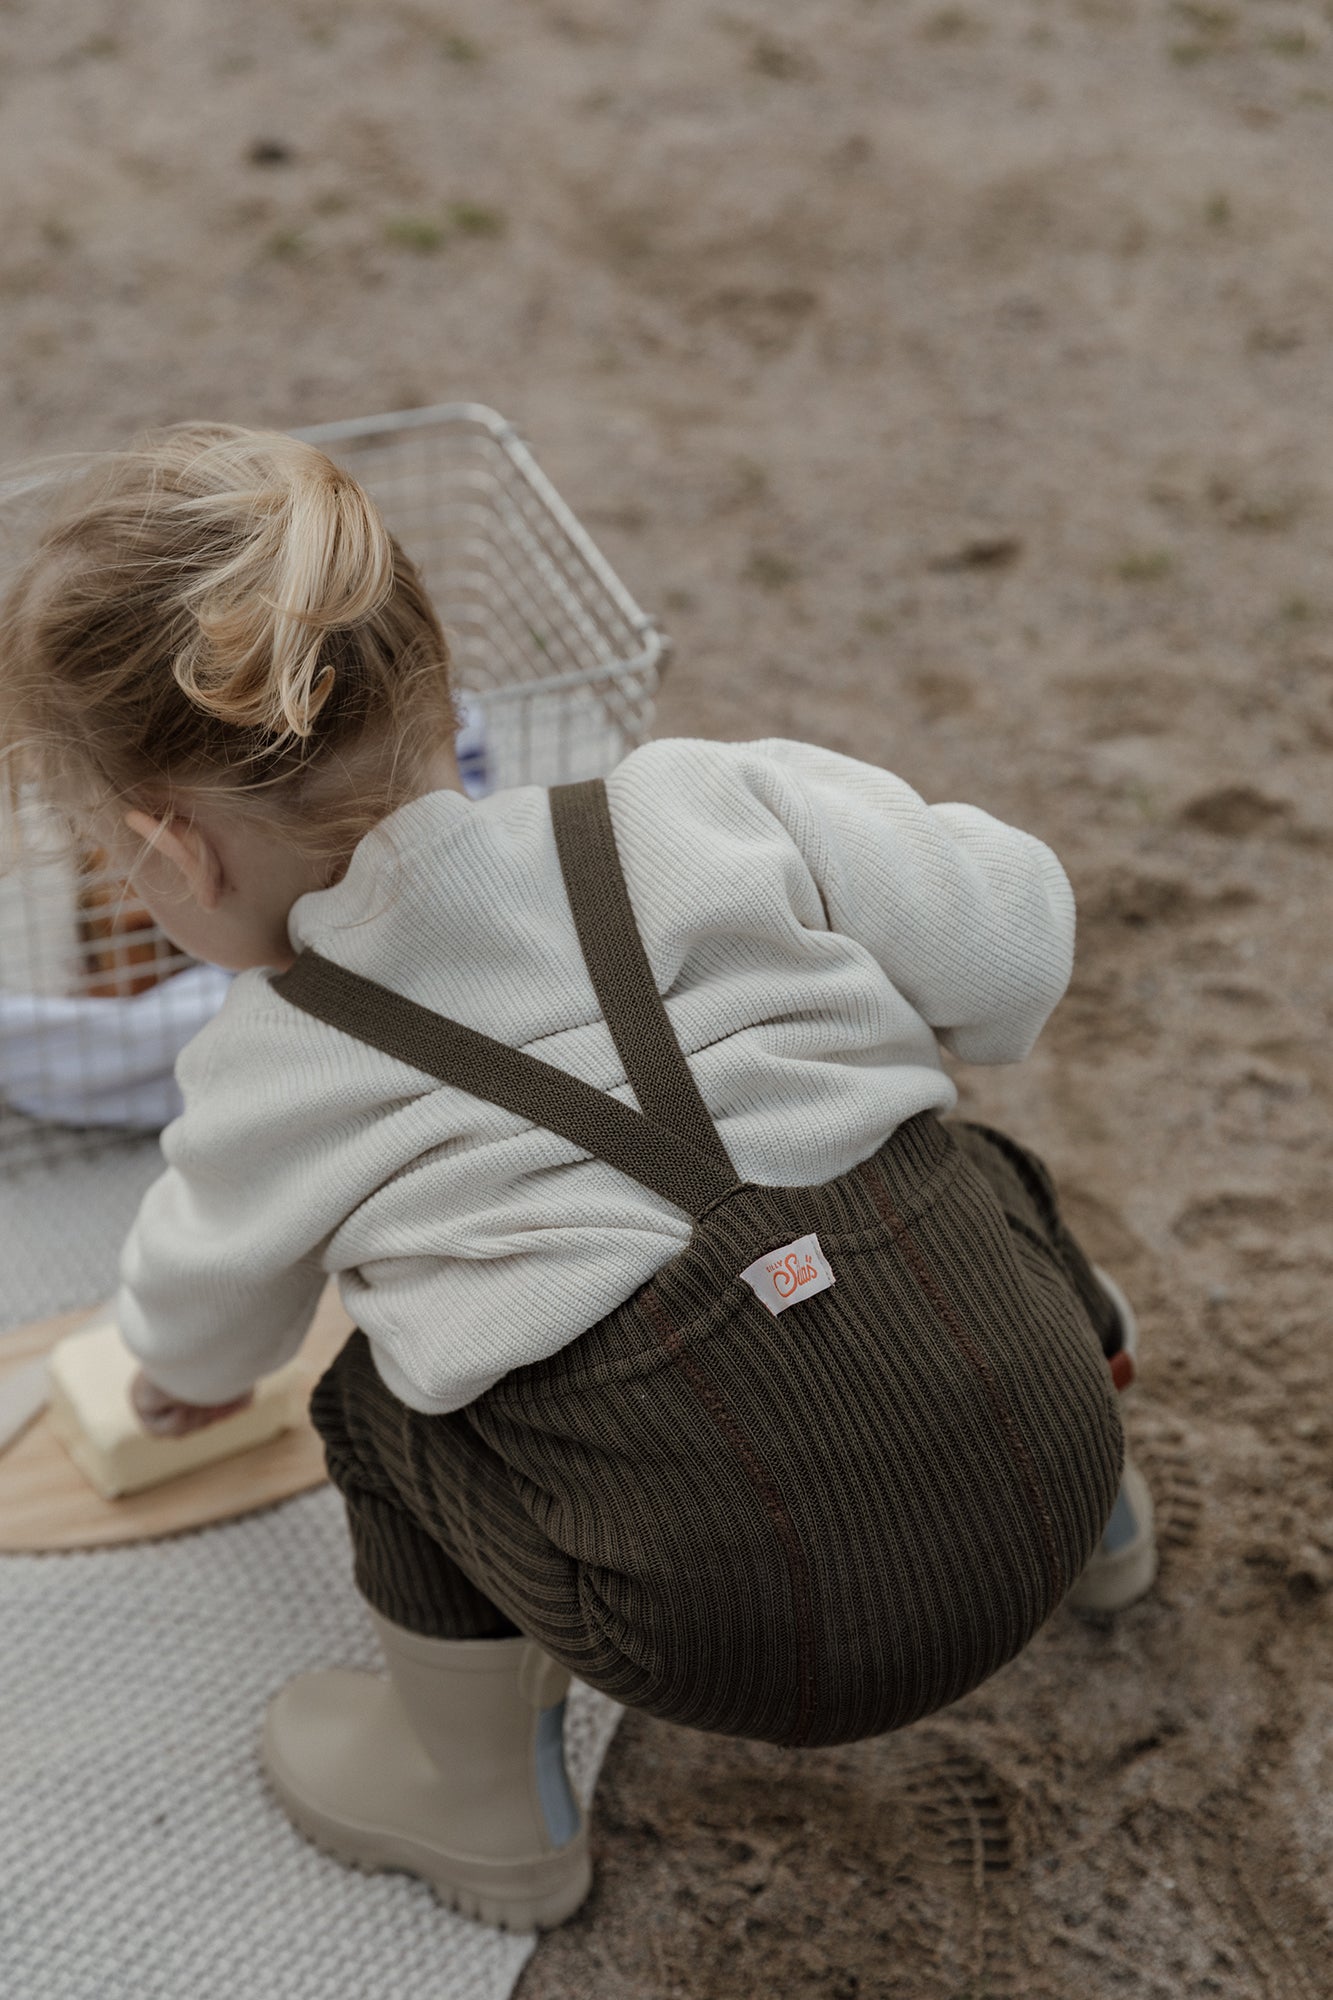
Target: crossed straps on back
x,y
670,1145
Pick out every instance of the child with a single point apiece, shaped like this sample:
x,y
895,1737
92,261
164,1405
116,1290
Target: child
x,y
733,1380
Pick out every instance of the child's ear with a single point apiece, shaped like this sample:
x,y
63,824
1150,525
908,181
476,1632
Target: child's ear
x,y
186,849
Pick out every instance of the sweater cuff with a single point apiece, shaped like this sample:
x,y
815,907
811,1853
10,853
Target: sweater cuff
x,y
200,1381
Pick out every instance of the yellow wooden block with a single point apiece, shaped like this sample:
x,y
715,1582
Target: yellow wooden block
x,y
91,1414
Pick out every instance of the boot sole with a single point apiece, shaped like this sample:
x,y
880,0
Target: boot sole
x,y
529,1895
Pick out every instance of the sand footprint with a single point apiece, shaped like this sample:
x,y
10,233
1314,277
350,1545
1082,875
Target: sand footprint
x,y
1170,1466
966,1878
915,1846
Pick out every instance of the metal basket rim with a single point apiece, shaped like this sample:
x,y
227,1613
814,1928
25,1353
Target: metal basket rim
x,y
655,648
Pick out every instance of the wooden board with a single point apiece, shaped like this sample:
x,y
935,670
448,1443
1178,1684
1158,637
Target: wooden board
x,y
46,1503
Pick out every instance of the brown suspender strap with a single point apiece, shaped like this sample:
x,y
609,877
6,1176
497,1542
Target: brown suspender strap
x,y
536,1090
618,966
654,1155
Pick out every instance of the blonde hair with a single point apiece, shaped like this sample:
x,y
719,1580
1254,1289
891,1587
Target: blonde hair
x,y
221,612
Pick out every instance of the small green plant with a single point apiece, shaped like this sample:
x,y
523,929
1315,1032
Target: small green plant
x,y
750,482
773,58
1205,17
1218,211
951,24
1145,566
1291,42
469,218
460,49
420,233
769,570
286,245
1296,610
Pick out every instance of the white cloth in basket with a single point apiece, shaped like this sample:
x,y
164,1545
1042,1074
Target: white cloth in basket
x,y
82,1061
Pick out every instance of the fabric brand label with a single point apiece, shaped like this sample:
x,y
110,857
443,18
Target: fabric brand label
x,y
789,1274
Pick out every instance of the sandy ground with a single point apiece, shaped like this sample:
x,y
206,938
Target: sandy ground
x,y
955,382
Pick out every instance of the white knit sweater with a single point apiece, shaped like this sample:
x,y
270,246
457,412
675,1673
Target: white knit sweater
x,y
818,933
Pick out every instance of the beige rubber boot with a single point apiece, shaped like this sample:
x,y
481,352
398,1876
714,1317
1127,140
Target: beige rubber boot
x,y
452,1768
1124,1565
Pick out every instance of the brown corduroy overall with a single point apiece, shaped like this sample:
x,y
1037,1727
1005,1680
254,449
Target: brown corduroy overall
x,y
807,1527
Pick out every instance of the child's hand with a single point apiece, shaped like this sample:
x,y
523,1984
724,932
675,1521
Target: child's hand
x,y
166,1416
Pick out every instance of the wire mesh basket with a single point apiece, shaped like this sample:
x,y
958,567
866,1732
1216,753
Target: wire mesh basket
x,y
559,669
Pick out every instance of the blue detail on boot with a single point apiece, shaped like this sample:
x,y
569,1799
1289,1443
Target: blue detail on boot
x,y
1122,1527
559,1806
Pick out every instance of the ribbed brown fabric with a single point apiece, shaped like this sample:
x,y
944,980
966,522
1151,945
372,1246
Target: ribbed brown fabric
x,y
805,1528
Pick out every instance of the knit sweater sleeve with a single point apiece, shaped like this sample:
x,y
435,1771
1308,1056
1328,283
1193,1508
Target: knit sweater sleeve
x,y
221,1273
971,920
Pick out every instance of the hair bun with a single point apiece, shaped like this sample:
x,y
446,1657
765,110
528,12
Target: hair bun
x,y
219,613
301,553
